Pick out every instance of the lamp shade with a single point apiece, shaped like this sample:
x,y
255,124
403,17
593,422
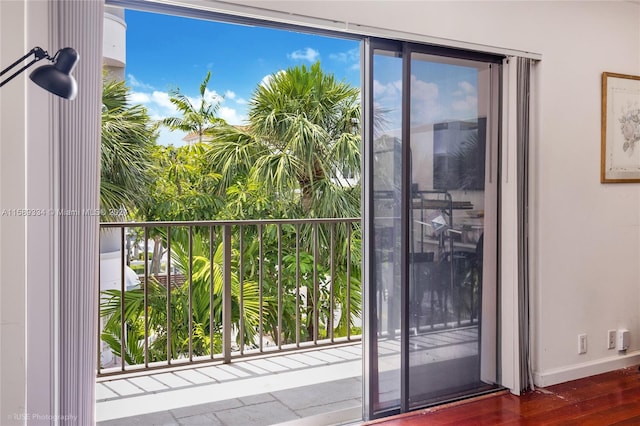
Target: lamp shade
x,y
57,78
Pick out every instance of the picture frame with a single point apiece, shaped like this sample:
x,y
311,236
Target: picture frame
x,y
620,158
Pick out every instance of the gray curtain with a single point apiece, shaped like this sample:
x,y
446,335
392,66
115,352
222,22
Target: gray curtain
x,y
523,92
78,24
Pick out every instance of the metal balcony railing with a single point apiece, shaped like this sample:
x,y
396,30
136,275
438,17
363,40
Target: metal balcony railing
x,y
175,293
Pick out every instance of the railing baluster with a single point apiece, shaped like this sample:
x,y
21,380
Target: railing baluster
x,y
298,285
226,294
99,351
279,337
316,298
146,296
332,281
211,288
260,294
348,281
241,282
313,281
190,293
122,297
169,351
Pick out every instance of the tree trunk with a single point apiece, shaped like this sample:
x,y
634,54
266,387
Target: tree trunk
x,y
306,186
307,198
156,260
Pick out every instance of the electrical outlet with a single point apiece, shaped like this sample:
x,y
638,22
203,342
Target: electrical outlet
x,y
582,343
611,339
623,340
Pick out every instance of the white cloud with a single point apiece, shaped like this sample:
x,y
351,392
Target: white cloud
x,y
134,82
231,116
159,106
467,87
267,78
138,98
351,58
466,99
161,99
378,87
469,103
157,103
429,104
425,102
392,89
388,99
306,54
423,90
209,95
170,137
351,55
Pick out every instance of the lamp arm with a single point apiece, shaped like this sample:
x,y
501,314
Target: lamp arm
x,y
36,51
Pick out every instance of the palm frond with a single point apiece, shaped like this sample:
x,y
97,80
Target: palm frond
x,y
127,139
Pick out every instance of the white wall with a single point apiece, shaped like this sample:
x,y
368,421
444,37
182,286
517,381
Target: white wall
x,y
45,371
26,290
12,229
585,235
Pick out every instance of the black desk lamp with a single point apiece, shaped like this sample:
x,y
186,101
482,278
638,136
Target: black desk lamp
x,y
55,78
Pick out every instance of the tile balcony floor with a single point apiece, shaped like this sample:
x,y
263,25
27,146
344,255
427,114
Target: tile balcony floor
x,y
316,387
251,391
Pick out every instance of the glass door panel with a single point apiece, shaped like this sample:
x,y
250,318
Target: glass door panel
x,y
449,109
432,216
386,211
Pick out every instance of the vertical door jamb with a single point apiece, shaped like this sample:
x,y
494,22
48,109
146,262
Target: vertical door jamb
x,y
369,336
405,228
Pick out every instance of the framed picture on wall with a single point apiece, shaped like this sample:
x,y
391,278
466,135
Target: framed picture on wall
x,y
620,161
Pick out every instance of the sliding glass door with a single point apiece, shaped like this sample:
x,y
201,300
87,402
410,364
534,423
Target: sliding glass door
x,y
431,213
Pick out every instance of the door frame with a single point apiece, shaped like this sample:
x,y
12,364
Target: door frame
x,y
507,348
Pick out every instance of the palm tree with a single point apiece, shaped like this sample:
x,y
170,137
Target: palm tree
x,y
204,327
183,189
303,132
127,138
194,119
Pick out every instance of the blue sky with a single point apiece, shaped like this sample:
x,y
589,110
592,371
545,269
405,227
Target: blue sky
x,y
439,91
168,52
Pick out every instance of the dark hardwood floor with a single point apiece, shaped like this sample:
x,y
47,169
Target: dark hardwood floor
x,y
605,399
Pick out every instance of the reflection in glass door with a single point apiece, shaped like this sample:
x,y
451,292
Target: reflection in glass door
x,y
386,185
433,225
452,229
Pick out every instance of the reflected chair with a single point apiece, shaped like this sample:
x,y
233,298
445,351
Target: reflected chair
x,y
421,277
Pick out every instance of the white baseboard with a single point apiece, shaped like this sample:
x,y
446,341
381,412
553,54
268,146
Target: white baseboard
x,y
579,371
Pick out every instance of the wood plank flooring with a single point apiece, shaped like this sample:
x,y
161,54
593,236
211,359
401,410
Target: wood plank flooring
x,y
606,399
